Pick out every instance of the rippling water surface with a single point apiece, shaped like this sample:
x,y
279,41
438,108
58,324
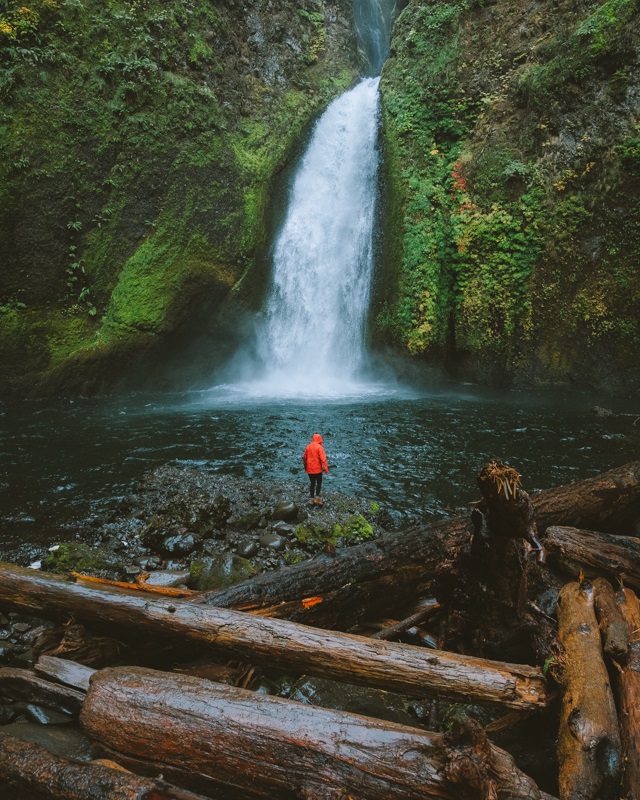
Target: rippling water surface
x,y
415,453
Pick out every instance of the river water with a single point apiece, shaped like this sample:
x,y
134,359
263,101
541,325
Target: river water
x,y
416,453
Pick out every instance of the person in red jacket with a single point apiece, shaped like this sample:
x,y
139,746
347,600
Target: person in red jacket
x,y
315,460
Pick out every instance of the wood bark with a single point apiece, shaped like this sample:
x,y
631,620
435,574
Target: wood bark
x,y
279,643
411,560
64,671
589,748
613,626
628,690
22,684
573,550
608,502
30,772
269,747
398,628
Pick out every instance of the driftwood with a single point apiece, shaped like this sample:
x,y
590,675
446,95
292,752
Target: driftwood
x,y
265,746
398,628
30,772
613,626
358,581
628,690
589,747
573,550
608,502
22,684
64,671
272,642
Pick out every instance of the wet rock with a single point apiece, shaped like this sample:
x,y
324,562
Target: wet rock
x,y
248,522
283,528
131,570
46,716
23,657
8,714
4,620
6,652
180,545
285,511
63,740
217,572
5,633
598,411
247,548
21,627
273,541
80,557
168,578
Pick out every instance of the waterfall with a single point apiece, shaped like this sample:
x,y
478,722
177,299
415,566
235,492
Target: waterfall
x,y
313,332
311,336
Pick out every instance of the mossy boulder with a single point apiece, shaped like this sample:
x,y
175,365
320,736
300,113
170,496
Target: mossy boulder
x,y
79,557
217,572
352,531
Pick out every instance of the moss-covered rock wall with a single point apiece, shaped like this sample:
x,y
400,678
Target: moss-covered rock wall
x,y
513,164
139,141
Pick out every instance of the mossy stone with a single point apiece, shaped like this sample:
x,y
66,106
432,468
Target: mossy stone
x,y
79,557
218,572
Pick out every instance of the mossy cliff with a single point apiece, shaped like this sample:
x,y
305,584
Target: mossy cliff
x,y
513,165
139,141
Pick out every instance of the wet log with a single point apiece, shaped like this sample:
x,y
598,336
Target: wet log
x,y
596,554
589,747
30,772
410,561
398,628
613,626
22,684
628,691
64,671
279,643
608,502
263,746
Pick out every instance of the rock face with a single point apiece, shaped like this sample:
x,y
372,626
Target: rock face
x,y
513,160
140,143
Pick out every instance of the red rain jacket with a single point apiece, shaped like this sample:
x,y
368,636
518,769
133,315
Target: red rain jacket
x,y
314,457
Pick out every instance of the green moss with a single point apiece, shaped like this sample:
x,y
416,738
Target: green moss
x,y
83,558
354,530
218,572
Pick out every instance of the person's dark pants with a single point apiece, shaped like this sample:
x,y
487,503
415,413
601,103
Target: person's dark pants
x,y
316,484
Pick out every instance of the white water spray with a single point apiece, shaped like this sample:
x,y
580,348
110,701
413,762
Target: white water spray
x,y
312,337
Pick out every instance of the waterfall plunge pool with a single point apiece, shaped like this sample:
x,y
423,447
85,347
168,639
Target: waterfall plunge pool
x,y
413,452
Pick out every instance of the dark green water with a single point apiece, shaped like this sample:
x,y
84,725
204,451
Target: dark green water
x,y
416,454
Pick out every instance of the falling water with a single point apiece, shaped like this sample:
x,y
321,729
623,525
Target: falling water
x,y
310,338
314,322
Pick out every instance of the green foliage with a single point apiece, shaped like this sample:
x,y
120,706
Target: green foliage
x,y
574,58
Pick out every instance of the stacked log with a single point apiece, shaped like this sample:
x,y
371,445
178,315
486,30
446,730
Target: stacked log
x,y
269,747
226,742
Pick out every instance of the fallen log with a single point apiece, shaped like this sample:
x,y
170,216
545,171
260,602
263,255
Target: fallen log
x,y
269,747
608,502
412,560
589,748
613,626
596,554
398,628
22,684
30,772
64,671
628,690
279,643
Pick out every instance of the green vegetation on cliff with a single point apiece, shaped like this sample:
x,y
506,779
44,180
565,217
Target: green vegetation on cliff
x,y
139,144
512,159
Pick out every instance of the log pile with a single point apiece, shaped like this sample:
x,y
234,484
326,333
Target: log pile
x,y
517,604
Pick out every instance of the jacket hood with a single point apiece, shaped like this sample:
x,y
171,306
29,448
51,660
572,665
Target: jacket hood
x,y
317,438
